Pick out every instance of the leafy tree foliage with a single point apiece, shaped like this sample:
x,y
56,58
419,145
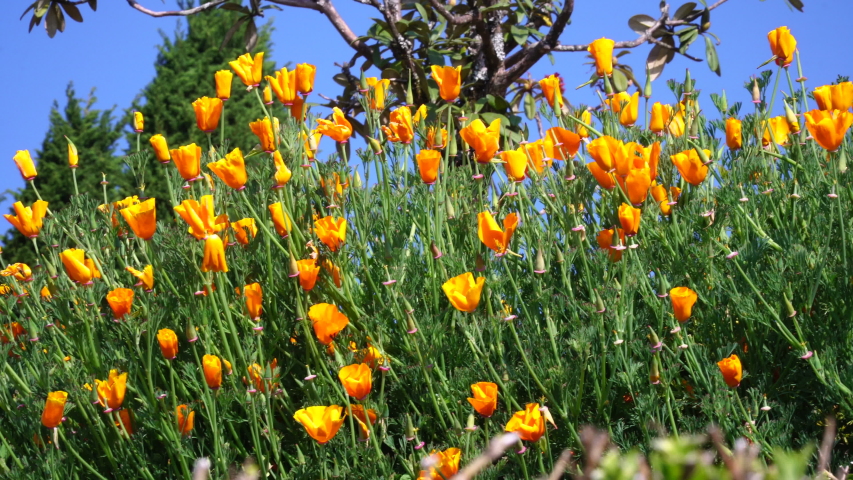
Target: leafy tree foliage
x,y
194,53
95,134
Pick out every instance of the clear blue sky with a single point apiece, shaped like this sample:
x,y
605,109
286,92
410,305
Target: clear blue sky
x,y
115,48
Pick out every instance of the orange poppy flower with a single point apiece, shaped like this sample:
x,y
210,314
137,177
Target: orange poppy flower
x,y
120,300
485,398
331,231
463,292
491,234
28,220
328,321
529,423
320,422
683,300
357,380
732,370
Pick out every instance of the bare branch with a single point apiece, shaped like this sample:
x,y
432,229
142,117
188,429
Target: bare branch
x,y
176,13
521,61
645,37
298,4
329,10
451,18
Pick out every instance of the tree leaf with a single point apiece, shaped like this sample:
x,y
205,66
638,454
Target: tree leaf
x,y
231,31
32,6
519,34
640,23
529,106
93,4
234,7
72,12
60,18
51,22
798,4
435,58
620,81
658,57
684,11
711,55
250,38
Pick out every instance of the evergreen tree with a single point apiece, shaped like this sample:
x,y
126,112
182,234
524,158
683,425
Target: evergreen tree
x,y
95,134
185,70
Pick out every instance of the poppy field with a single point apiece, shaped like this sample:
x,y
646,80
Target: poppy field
x,y
303,308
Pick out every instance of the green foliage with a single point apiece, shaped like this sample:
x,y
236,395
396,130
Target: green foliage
x,y
95,134
184,72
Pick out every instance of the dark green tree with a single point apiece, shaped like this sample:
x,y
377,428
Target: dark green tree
x,y
95,134
185,70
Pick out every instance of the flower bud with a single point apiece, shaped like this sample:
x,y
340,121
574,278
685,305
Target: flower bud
x,y
688,82
647,89
410,428
791,117
539,264
300,458
294,267
479,263
452,148
654,373
190,332
756,92
471,424
559,256
356,181
599,303
436,253
362,82
375,146
789,307
410,99
451,212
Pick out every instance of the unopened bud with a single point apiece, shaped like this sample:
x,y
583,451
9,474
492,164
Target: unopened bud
x,y
789,307
407,306
294,267
599,303
410,325
452,148
451,212
190,332
608,88
647,89
539,264
654,374
300,458
436,253
654,341
410,99
356,180
471,424
559,256
756,92
362,81
791,117
688,82
410,428
375,146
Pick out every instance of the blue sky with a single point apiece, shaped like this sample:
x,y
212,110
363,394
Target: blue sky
x,y
115,48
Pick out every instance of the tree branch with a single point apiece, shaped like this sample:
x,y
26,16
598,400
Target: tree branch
x,y
646,36
176,13
521,61
298,4
451,18
329,10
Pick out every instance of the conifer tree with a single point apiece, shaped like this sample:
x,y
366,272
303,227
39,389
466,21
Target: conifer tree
x,y
185,70
95,134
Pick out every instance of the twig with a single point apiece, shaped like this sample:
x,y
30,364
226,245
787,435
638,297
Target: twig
x,y
496,448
